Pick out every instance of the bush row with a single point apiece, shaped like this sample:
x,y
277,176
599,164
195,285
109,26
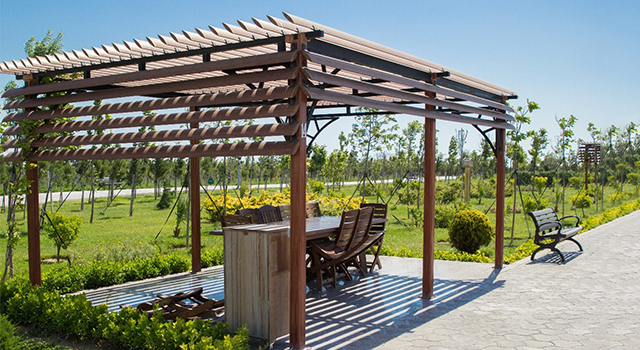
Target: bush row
x,y
403,252
103,273
73,315
10,340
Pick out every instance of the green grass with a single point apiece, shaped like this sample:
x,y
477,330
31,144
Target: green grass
x,y
115,234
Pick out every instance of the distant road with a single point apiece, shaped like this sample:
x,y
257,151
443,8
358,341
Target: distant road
x,y
77,195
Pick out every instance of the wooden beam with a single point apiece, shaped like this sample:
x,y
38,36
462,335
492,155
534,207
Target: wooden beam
x,y
264,148
500,179
204,100
298,216
226,132
428,231
395,93
157,89
229,64
363,70
194,192
397,108
210,115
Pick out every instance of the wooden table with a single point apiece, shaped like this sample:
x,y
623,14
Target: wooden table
x,y
256,273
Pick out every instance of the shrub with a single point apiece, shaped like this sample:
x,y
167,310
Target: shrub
x,y
315,186
166,200
62,229
443,216
470,230
8,337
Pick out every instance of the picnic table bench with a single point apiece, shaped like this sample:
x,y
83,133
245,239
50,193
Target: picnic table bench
x,y
550,230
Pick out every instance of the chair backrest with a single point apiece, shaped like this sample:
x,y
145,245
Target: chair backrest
x,y
254,213
235,220
285,211
348,225
379,212
269,213
362,228
313,210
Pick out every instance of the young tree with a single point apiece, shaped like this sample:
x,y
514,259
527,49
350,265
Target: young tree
x,y
564,143
62,229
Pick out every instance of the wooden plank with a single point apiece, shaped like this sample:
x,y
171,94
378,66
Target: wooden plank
x,y
265,148
155,89
211,115
256,273
369,47
205,100
393,107
227,132
332,62
385,91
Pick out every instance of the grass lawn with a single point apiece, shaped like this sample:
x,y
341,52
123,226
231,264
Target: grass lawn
x,y
114,234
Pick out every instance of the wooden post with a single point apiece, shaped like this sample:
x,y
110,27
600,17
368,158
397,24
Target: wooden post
x,y
33,208
33,224
194,185
500,178
428,231
298,215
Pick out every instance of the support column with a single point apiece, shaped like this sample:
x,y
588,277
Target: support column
x,y
298,216
500,178
33,224
194,185
428,230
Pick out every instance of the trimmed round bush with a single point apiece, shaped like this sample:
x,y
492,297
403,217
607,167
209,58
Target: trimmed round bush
x,y
470,230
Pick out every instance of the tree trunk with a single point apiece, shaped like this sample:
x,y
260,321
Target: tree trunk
x,y
82,197
93,198
133,193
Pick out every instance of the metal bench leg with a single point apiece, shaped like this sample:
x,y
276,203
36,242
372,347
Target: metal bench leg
x,y
533,255
576,242
559,253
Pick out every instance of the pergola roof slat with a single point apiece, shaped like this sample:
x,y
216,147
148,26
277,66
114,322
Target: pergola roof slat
x,y
398,108
203,100
359,85
232,64
211,115
227,132
332,62
239,149
234,79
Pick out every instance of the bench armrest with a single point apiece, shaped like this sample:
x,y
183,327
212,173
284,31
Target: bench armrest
x,y
571,217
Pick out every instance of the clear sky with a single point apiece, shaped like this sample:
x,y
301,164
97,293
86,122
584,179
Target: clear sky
x,y
572,57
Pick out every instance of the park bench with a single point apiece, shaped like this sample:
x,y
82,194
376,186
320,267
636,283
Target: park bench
x,y
550,230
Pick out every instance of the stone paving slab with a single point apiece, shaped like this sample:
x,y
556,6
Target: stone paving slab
x,y
590,302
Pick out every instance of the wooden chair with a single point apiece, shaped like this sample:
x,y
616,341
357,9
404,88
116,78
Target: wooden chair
x,y
360,242
285,211
254,213
235,220
269,213
313,210
187,305
379,212
326,254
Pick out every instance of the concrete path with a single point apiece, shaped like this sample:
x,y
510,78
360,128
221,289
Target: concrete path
x,y
590,302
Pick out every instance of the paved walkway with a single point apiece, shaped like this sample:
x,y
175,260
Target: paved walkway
x,y
590,302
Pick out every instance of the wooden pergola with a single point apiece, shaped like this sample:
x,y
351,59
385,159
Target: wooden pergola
x,y
273,78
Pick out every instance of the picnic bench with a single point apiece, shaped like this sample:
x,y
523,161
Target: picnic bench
x,y
550,230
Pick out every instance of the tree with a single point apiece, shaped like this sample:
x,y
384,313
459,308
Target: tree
x,y
564,143
371,132
317,160
452,158
62,229
48,45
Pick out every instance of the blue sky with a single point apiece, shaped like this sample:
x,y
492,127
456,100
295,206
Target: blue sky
x,y
572,57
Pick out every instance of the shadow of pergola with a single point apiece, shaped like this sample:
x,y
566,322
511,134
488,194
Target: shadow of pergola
x,y
369,311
